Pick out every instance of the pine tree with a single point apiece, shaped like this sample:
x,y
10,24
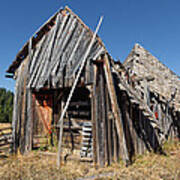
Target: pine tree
x,y
6,105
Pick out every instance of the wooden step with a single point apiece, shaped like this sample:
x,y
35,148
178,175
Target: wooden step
x,y
86,139
87,124
86,149
87,143
88,129
86,134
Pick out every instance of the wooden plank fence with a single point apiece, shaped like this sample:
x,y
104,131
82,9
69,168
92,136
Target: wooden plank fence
x,y
5,140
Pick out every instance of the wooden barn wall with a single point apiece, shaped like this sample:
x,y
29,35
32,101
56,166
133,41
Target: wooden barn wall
x,y
140,134
108,143
99,114
52,64
35,111
22,111
57,57
78,112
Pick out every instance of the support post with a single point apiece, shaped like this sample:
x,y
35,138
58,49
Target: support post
x,y
93,107
115,109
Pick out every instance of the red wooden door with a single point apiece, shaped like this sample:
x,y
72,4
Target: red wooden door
x,y
43,108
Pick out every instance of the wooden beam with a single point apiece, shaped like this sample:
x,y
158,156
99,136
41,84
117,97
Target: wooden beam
x,y
109,130
115,109
103,119
115,139
93,116
9,76
29,124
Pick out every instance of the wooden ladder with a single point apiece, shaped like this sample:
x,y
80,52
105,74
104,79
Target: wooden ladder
x,y
86,149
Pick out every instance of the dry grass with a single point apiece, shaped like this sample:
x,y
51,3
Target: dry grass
x,y
36,166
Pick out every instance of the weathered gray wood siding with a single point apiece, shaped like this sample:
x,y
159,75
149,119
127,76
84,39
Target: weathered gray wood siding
x,y
58,55
51,64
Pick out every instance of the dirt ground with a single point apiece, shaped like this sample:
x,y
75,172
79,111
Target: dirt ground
x,y
37,166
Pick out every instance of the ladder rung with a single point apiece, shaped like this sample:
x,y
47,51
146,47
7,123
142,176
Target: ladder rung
x,y
86,149
87,129
87,143
87,124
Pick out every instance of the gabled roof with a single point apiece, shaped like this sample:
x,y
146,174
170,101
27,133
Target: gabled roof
x,y
45,29
163,81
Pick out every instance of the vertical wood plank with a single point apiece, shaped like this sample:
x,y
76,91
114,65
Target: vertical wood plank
x,y
104,115
29,125
15,116
132,131
109,137
115,109
93,115
100,117
114,141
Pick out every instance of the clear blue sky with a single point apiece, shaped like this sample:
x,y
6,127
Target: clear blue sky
x,y
155,24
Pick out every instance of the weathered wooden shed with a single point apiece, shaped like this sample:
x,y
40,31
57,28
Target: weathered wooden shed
x,y
162,87
109,116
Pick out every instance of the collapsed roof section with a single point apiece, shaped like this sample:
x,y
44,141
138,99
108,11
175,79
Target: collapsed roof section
x,y
160,79
57,49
